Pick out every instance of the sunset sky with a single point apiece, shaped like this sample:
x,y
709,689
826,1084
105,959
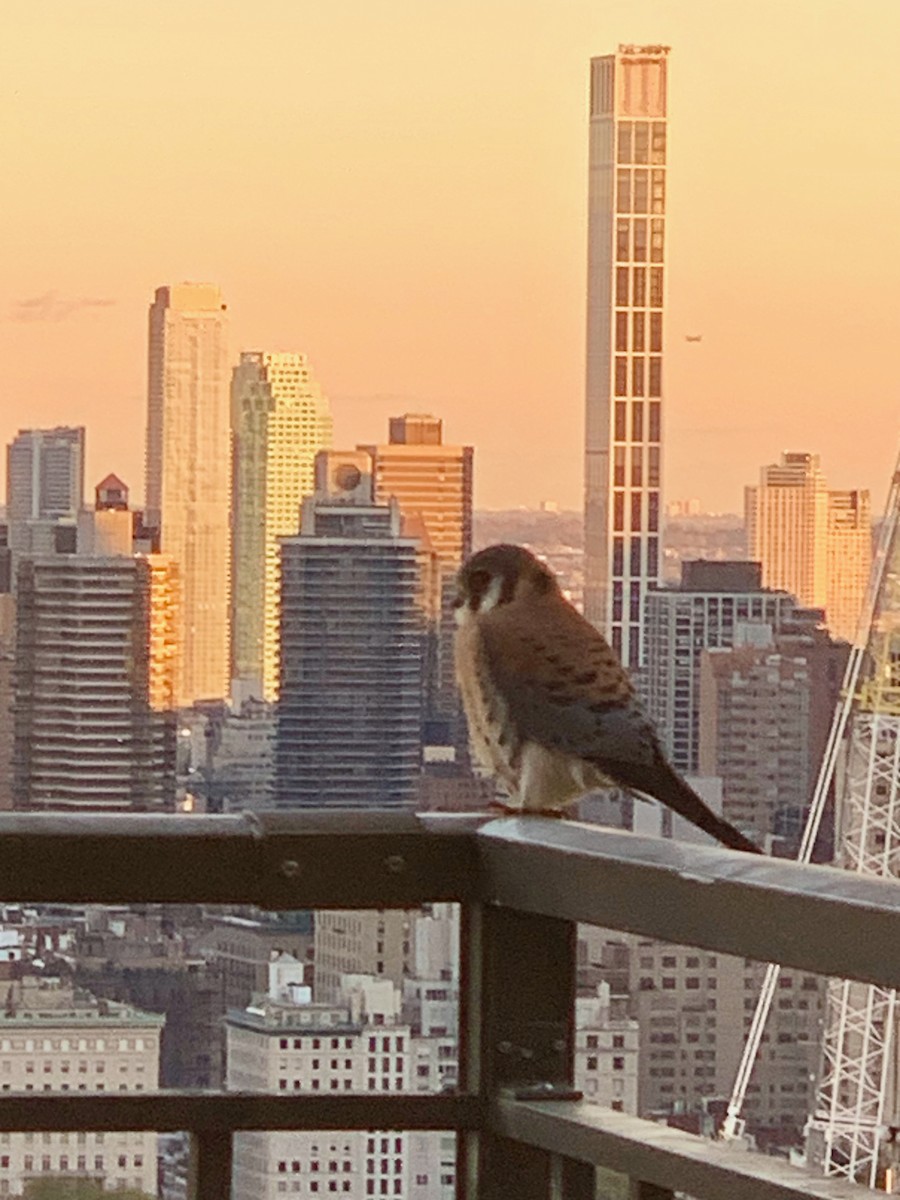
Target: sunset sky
x,y
398,188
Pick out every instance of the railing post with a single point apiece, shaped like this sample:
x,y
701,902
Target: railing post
x,y
517,1018
210,1165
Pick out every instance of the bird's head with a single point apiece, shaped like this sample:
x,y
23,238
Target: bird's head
x,y
498,575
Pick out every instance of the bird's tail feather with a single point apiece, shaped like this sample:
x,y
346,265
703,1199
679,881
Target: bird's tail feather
x,y
661,782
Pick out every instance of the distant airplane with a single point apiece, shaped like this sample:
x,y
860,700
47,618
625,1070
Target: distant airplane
x,y
693,337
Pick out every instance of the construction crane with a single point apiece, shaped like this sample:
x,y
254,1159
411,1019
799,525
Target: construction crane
x,y
846,1128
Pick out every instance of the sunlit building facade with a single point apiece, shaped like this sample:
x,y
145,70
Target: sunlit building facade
x,y
189,472
624,382
812,542
432,483
280,422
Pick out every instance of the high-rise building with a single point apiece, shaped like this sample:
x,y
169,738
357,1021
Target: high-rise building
x,y
280,421
848,560
812,542
189,472
717,604
624,383
44,486
349,718
787,522
432,483
765,712
93,683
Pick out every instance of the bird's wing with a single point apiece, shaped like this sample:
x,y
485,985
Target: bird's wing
x,y
563,686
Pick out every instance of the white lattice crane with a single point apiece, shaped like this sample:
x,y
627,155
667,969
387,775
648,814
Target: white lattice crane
x,y
847,1126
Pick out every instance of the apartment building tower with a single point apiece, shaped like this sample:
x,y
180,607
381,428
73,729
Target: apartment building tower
x,y
349,716
625,306
280,421
189,472
94,671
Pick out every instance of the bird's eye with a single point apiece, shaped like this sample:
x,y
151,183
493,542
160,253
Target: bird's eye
x,y
479,582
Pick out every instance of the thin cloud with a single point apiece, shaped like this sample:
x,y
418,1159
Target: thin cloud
x,y
50,306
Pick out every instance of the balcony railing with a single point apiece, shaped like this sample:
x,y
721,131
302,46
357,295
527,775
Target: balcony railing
x,y
522,884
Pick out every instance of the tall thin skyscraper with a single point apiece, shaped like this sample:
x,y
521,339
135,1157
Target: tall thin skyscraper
x,y
280,421
189,472
814,543
624,384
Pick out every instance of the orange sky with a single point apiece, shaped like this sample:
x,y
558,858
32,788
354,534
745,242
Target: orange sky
x,y
399,189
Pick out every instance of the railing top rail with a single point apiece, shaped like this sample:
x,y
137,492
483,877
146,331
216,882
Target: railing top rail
x,y
820,919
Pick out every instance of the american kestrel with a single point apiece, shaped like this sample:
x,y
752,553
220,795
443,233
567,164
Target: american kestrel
x,y
551,711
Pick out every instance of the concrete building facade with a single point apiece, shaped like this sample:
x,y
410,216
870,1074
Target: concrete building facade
x,y
58,1040
624,383
716,604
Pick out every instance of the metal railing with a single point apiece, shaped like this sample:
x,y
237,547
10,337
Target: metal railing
x,y
522,884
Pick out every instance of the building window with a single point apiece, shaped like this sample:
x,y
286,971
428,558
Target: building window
x,y
622,286
635,556
637,462
621,376
620,422
656,240
621,241
653,422
618,511
652,459
637,377
637,332
639,287
618,1063
637,420
619,466
658,193
621,331
641,142
656,287
655,386
623,150
641,192
656,333
636,511
640,241
653,512
623,191
658,142
617,600
618,556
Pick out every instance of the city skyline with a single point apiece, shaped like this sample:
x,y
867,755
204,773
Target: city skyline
x,y
387,250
